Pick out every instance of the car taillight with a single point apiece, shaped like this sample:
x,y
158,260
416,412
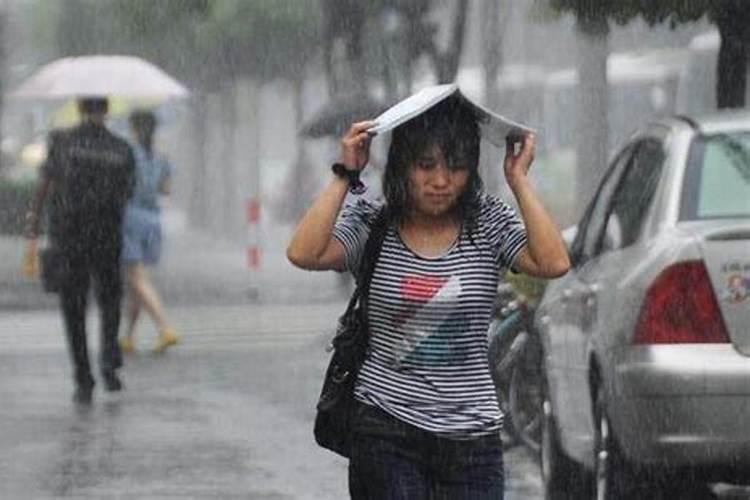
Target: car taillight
x,y
680,307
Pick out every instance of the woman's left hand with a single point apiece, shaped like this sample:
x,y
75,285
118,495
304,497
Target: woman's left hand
x,y
516,165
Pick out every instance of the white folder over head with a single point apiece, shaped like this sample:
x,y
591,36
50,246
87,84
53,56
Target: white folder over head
x,y
494,127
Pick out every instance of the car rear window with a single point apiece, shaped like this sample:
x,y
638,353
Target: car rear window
x,y
717,184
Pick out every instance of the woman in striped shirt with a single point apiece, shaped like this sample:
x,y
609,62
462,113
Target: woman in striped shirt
x,y
427,424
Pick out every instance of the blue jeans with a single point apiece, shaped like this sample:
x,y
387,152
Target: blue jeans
x,y
392,460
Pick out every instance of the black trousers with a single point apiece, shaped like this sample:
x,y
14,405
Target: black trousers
x,y
82,265
392,460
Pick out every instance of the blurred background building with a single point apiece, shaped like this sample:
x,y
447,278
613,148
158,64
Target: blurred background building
x,y
262,73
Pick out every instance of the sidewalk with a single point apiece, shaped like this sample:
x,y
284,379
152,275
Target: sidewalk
x,y
196,268
227,413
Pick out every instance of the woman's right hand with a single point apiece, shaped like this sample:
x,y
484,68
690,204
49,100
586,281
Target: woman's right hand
x,y
355,145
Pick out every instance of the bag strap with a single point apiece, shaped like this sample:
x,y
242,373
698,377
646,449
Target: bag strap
x,y
372,250
370,256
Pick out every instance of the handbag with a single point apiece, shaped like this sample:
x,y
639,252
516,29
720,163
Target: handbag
x,y
53,268
335,408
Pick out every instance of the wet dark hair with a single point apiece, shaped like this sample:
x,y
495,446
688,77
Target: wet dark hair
x,y
143,120
454,128
93,105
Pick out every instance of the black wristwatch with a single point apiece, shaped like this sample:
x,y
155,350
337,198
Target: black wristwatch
x,y
356,186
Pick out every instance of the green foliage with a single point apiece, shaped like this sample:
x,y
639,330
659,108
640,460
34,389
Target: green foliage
x,y
623,11
264,39
731,17
170,33
268,38
202,42
42,23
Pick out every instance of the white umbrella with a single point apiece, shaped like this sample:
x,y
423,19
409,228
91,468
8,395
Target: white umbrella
x,y
100,76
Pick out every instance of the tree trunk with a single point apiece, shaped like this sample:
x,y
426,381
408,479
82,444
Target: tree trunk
x,y
492,54
299,195
733,21
592,110
395,53
3,60
447,64
232,209
343,19
492,50
198,205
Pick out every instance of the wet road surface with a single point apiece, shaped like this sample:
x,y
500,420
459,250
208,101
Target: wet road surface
x,y
226,414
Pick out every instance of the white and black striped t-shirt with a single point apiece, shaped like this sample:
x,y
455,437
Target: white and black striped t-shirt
x,y
427,363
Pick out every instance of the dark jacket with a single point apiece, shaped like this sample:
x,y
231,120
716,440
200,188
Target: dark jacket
x,y
92,173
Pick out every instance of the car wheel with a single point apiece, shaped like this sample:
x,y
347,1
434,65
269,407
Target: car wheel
x,y
688,490
562,478
526,399
613,475
684,484
509,436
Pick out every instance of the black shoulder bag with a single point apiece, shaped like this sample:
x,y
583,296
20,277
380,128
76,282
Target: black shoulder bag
x,y
333,421
53,268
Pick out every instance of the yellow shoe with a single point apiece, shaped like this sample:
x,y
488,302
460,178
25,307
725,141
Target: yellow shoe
x,y
168,337
127,345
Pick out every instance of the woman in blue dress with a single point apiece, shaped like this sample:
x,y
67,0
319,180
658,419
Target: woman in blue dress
x,y
142,234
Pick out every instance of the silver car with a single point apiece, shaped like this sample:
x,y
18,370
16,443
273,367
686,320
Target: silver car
x,y
647,338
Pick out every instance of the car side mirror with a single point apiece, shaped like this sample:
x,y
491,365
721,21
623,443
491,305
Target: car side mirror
x,y
612,234
569,236
575,258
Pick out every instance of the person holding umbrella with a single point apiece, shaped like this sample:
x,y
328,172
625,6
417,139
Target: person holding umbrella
x,y
142,233
89,176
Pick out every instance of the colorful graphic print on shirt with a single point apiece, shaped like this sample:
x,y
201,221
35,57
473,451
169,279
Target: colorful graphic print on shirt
x,y
431,321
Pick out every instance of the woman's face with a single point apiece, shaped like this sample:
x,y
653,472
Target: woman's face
x,y
434,185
